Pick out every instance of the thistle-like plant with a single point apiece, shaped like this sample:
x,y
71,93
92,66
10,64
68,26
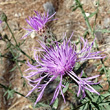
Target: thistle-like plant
x,y
58,61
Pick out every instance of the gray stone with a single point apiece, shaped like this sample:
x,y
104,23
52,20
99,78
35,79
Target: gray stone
x,y
48,6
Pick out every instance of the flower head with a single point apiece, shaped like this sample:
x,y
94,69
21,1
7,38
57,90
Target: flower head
x,y
37,22
58,61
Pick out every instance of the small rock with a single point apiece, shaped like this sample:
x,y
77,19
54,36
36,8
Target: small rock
x,y
33,34
106,22
48,6
17,14
87,14
99,37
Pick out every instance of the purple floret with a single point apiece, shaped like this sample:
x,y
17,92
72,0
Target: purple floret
x,y
58,61
37,22
0,21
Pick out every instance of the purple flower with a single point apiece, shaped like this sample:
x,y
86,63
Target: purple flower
x,y
0,21
58,61
37,22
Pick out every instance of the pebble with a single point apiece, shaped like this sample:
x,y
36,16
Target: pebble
x,y
106,22
48,6
87,14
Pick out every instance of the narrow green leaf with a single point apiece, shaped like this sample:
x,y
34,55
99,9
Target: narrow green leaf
x,y
92,14
44,105
55,105
41,105
75,8
103,31
8,46
13,68
1,58
9,94
66,88
5,93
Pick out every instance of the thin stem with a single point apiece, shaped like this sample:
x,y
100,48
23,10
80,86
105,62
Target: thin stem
x,y
86,19
18,67
7,88
16,46
19,49
24,54
90,29
11,32
22,61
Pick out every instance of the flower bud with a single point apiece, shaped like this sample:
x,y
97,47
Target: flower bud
x,y
3,16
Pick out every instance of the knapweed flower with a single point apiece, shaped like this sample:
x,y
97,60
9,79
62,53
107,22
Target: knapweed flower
x,y
37,23
58,61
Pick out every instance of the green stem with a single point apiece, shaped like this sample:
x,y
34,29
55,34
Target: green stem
x,y
25,54
18,68
22,61
16,63
84,15
89,27
11,32
19,49
7,88
86,19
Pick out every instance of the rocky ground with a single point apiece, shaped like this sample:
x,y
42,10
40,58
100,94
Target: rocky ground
x,y
67,21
